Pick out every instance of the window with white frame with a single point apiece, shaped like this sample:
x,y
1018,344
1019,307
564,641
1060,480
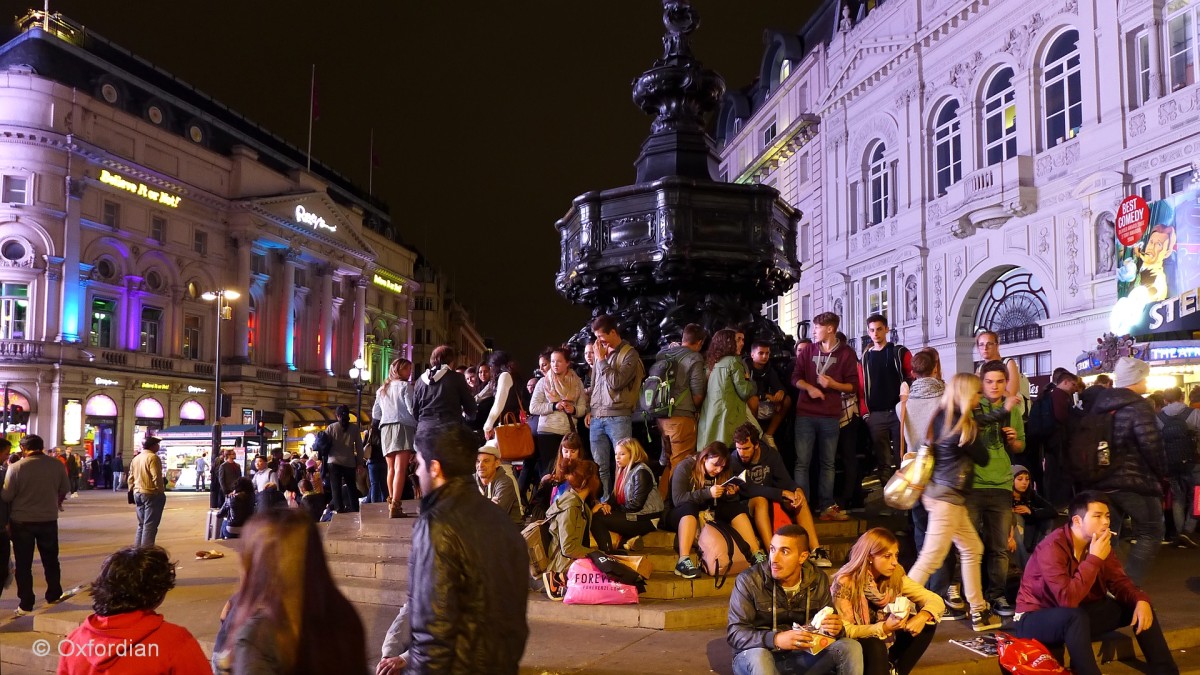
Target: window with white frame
x,y
803,168
112,214
785,69
158,228
770,309
1000,118
880,178
1062,96
1144,189
15,190
14,310
151,329
769,133
876,290
1179,181
200,242
1141,68
1181,44
947,147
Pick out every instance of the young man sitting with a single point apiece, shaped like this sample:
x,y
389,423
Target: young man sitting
x,y
768,481
494,483
1075,590
769,598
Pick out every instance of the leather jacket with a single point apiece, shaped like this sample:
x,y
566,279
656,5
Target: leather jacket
x,y
468,585
1139,460
954,465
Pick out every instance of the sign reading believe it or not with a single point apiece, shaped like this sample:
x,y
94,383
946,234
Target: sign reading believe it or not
x,y
313,220
140,189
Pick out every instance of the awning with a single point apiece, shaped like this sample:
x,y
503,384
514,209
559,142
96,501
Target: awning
x,y
200,432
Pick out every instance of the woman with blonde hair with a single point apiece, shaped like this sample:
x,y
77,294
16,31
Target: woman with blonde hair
x,y
954,436
397,428
279,618
635,504
725,403
866,590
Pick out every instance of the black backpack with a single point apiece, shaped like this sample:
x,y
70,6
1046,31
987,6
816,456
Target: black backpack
x,y
1179,440
657,400
1081,455
1041,422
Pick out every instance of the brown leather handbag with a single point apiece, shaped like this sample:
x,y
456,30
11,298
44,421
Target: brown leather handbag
x,y
514,438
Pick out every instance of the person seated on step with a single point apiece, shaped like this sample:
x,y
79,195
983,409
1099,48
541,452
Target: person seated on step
x,y
1074,590
635,504
311,500
771,599
698,485
125,634
554,483
891,616
571,523
237,509
395,645
1033,517
769,482
494,483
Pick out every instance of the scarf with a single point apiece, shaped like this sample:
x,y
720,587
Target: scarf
x,y
565,387
873,603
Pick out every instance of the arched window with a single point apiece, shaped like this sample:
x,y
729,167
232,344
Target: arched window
x,y
947,147
1013,306
880,179
785,69
1062,96
1000,118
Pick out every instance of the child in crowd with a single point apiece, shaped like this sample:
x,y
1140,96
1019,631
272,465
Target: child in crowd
x,y
891,616
1033,517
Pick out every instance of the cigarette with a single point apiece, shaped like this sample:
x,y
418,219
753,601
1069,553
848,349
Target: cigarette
x,y
1114,533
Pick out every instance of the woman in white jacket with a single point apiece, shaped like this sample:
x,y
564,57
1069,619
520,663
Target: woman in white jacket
x,y
398,428
559,399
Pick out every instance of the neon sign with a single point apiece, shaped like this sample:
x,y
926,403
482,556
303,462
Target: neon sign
x,y
196,390
1173,352
72,421
393,286
105,382
307,217
140,189
156,386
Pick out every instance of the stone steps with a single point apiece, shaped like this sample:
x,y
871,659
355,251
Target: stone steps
x,y
689,614
17,653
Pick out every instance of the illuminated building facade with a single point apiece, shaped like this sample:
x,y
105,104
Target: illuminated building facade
x,y
127,195
959,163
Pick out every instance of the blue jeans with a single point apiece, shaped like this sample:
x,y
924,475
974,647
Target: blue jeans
x,y
1183,487
149,515
843,657
604,434
1148,528
377,472
809,432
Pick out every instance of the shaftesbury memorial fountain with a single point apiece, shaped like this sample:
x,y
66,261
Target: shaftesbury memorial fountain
x,y
679,247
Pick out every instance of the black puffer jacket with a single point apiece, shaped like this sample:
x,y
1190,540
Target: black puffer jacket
x,y
954,465
441,397
468,581
1139,462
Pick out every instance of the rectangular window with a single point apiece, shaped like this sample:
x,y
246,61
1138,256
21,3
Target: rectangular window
x,y
1179,182
1141,67
151,329
200,242
1144,189
803,98
805,307
769,134
14,308
770,309
158,228
191,337
112,214
15,190
804,168
1179,44
258,263
805,243
877,294
104,313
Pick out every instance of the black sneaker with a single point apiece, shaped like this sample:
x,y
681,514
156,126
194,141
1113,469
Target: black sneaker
x,y
1000,606
952,614
687,569
820,557
984,621
954,598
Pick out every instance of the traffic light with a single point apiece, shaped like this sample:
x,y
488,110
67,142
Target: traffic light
x,y
17,414
261,429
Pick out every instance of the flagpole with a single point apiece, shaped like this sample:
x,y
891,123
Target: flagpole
x,y
312,92
371,165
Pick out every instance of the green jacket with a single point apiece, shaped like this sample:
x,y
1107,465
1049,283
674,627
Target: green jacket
x,y
725,403
997,473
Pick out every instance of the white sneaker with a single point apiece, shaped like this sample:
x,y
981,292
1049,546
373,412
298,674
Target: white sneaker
x,y
820,558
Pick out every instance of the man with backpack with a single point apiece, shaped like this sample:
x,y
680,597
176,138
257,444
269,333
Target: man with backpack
x,y
617,376
1180,430
1046,433
1133,466
883,368
678,372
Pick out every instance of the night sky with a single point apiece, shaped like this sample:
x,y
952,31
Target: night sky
x,y
489,117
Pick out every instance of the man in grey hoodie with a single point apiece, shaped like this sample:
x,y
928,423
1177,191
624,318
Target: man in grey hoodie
x,y
616,381
33,489
687,390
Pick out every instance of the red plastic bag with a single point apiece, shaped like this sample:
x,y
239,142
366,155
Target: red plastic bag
x,y
1196,502
587,585
1026,657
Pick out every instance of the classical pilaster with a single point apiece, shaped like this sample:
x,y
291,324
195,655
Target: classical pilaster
x,y
1154,31
72,293
241,307
360,317
285,317
52,292
324,274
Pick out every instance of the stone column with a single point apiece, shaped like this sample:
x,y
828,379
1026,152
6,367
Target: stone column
x,y
174,318
324,274
1154,31
73,294
285,299
241,307
52,281
360,318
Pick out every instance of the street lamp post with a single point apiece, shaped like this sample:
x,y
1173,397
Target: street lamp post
x,y
224,313
361,376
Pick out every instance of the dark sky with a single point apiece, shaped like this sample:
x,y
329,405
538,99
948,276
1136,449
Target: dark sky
x,y
489,117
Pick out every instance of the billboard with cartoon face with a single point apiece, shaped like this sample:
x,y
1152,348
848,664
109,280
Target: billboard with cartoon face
x,y
1158,265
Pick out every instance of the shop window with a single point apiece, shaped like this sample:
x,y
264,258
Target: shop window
x,y
112,214
14,308
947,147
158,228
15,190
1062,93
103,315
876,289
1000,118
191,337
151,329
880,177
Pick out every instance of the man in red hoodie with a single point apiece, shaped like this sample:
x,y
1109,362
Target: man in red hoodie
x,y
126,635
1074,590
